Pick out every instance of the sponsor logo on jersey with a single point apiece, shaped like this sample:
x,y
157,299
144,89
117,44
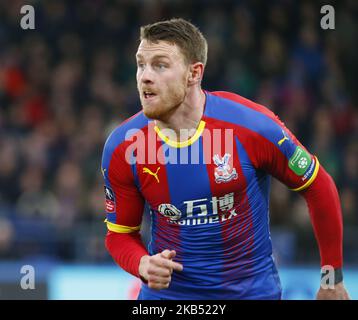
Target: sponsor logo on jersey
x,y
283,139
223,172
300,161
170,211
202,211
154,174
195,221
310,170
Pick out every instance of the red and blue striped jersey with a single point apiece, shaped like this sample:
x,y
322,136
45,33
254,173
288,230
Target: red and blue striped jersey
x,y
209,195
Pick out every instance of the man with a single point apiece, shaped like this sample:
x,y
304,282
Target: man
x,y
202,162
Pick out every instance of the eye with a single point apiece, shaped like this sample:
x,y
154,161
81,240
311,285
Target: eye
x,y
161,66
140,65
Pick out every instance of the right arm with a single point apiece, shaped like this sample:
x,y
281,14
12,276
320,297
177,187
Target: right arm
x,y
124,208
128,251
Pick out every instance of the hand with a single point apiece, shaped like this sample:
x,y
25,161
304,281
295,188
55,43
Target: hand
x,y
338,293
157,269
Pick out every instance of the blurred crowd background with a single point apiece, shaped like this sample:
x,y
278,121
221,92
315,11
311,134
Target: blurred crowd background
x,y
65,85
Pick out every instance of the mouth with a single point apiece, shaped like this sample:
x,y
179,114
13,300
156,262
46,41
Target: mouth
x,y
148,95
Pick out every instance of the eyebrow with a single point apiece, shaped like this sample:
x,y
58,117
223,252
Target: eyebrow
x,y
160,56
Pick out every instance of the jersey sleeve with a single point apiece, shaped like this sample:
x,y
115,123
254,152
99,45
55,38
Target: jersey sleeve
x,y
279,153
124,203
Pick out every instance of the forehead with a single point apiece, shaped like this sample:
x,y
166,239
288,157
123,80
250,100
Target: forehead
x,y
150,50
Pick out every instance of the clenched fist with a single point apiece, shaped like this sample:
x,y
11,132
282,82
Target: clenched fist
x,y
338,293
157,269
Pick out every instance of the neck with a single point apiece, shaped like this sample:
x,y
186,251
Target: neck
x,y
185,117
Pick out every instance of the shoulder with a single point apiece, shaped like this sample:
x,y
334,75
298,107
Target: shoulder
x,y
237,104
242,113
125,130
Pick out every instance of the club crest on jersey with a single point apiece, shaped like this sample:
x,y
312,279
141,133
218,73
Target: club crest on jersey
x,y
170,211
223,172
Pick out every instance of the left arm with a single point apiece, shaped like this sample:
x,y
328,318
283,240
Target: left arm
x,y
326,217
274,149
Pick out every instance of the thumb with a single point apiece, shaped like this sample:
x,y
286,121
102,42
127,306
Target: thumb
x,y
168,254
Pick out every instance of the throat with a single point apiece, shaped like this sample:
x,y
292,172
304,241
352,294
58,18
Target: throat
x,y
185,122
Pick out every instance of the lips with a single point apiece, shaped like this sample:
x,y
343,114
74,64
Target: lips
x,y
148,94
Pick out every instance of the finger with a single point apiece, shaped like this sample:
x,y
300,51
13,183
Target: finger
x,y
158,261
176,266
159,279
158,286
169,264
165,263
160,271
158,283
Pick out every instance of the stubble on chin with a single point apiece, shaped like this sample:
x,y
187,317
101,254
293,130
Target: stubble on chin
x,y
165,107
153,113
160,111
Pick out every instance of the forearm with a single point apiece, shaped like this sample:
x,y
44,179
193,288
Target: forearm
x,y
324,207
126,249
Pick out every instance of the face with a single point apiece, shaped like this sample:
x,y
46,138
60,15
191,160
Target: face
x,y
162,77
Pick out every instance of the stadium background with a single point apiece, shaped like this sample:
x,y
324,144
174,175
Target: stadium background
x,y
65,85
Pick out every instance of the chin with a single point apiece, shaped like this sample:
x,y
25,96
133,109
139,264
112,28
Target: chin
x,y
158,111
152,113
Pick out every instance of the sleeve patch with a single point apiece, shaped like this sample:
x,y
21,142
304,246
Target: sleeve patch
x,y
300,161
310,175
110,203
109,193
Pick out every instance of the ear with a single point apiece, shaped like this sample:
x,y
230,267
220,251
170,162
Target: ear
x,y
196,71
